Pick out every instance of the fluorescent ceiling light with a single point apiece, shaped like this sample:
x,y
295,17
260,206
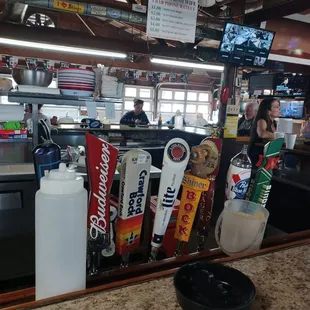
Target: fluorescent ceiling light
x,y
185,64
61,48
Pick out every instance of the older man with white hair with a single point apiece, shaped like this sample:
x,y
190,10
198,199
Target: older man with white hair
x,y
246,121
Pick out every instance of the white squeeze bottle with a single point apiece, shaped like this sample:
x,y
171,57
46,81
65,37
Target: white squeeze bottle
x,y
60,233
238,175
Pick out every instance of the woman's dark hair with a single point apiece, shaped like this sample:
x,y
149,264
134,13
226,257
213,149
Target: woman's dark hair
x,y
263,109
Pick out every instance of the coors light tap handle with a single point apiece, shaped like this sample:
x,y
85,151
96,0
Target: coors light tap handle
x,y
101,163
176,156
134,180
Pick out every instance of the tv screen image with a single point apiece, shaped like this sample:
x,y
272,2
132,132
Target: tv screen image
x,y
244,45
291,85
292,109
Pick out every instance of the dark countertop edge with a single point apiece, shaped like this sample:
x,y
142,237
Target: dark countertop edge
x,y
186,129
20,299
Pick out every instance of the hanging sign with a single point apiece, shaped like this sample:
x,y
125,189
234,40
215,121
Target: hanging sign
x,y
172,19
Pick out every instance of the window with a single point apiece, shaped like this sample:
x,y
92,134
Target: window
x,y
203,97
166,94
147,106
179,95
189,102
203,109
165,107
129,105
145,93
190,108
191,96
130,92
176,107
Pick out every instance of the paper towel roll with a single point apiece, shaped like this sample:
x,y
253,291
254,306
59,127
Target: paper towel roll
x,y
285,125
11,113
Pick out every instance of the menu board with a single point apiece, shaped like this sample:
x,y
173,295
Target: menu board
x,y
172,19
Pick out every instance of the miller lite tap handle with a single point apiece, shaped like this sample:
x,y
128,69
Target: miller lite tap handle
x,y
176,156
134,180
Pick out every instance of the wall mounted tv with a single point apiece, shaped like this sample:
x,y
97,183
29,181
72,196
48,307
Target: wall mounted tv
x,y
292,109
291,85
245,46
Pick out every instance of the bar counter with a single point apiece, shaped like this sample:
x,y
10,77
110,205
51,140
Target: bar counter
x,y
281,280
280,271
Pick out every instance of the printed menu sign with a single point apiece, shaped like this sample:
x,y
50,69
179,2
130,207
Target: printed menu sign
x,y
172,19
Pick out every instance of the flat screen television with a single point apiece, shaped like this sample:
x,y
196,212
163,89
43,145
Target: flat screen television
x,y
245,46
261,82
292,109
291,85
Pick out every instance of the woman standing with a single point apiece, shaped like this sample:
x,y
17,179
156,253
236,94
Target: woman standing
x,y
264,127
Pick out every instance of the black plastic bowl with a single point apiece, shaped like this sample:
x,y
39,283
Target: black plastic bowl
x,y
205,286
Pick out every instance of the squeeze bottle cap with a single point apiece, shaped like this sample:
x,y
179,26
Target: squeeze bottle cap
x,y
61,181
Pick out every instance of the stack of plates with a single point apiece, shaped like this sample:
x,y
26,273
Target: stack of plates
x,y
76,82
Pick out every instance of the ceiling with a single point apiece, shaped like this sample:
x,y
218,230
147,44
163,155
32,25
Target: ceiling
x,y
131,31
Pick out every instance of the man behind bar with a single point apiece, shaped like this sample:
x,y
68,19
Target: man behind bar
x,y
137,116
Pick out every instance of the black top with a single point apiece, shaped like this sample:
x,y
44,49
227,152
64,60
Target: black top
x,y
254,150
130,118
244,126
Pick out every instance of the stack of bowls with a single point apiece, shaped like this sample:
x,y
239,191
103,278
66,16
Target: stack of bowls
x,y
76,82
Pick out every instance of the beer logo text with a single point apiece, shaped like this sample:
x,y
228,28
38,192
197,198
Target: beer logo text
x,y
136,198
98,222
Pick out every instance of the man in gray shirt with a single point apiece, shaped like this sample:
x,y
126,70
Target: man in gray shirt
x,y
246,121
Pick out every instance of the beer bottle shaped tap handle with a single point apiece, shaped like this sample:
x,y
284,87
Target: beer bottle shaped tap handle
x,y
192,189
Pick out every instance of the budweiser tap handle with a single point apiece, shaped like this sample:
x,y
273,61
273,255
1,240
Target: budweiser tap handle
x,y
101,163
176,156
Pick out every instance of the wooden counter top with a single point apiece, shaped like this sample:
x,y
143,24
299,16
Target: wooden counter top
x,y
279,270
281,280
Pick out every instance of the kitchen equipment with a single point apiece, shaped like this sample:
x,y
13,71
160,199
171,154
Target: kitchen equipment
x,y
241,226
205,286
66,120
32,77
60,232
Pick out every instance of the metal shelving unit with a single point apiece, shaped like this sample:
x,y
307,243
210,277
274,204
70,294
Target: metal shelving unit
x,y
36,98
